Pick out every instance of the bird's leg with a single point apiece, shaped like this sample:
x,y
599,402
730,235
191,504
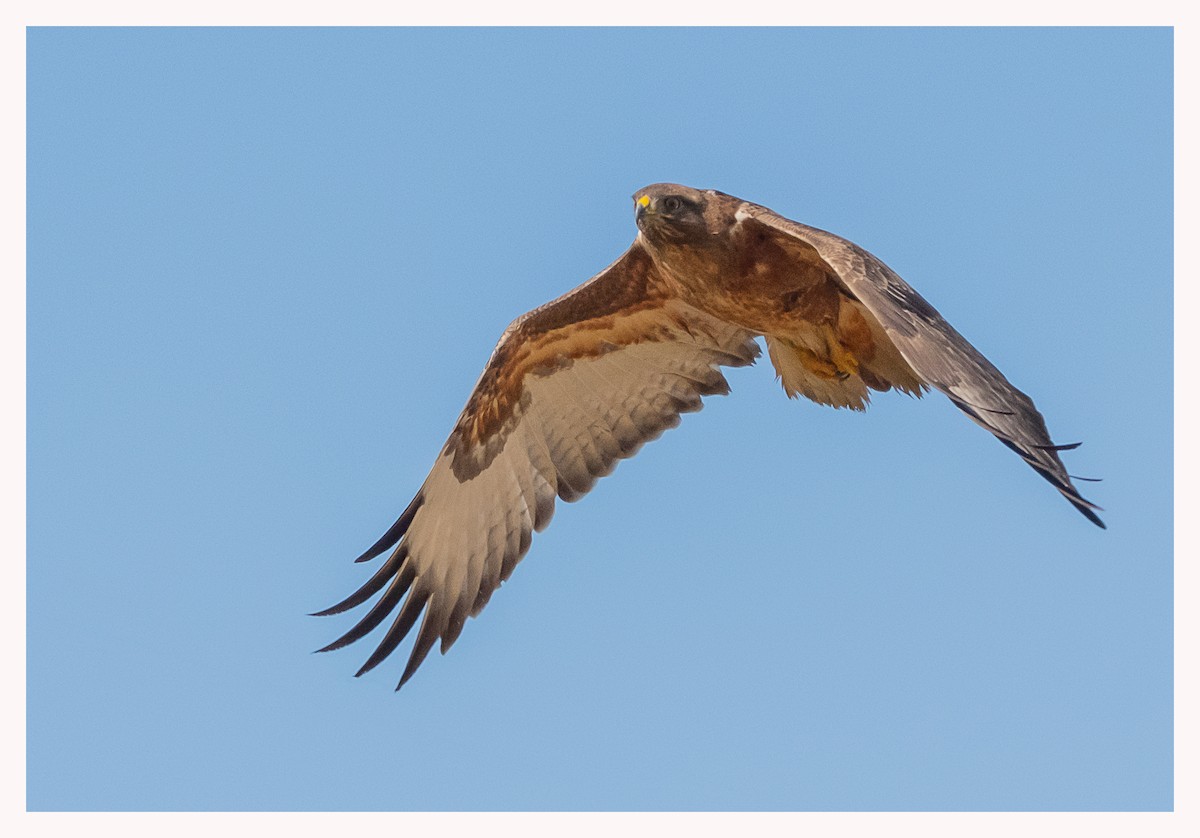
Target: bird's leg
x,y
813,362
844,363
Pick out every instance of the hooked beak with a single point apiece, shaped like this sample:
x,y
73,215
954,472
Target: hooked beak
x,y
641,207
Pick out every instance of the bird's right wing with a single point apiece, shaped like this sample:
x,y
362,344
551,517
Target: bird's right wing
x,y
572,387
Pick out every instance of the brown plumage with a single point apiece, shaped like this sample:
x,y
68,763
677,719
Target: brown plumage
x,y
585,380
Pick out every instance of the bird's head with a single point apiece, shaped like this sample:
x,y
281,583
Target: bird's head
x,y
670,212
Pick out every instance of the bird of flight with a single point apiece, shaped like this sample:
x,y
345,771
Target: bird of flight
x,y
585,380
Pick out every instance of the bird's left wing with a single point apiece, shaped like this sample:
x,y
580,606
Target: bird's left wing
x,y
936,351
571,388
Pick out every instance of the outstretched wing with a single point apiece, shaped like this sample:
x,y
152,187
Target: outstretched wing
x,y
571,388
936,351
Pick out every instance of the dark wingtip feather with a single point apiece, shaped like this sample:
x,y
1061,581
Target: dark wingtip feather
x,y
395,532
1070,446
386,571
1091,516
399,629
1052,472
381,609
1085,506
426,637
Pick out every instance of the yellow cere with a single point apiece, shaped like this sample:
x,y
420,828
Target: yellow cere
x,y
644,201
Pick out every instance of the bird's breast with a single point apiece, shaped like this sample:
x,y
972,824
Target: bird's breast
x,y
753,281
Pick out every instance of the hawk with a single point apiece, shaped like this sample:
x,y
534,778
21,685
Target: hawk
x,y
584,381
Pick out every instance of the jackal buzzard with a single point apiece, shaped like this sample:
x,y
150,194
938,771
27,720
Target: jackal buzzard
x,y
586,380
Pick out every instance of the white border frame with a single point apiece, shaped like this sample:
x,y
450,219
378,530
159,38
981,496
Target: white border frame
x,y
19,15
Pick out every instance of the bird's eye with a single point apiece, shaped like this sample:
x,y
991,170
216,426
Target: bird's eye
x,y
672,204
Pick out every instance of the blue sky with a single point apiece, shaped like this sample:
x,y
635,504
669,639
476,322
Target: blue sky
x,y
266,266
